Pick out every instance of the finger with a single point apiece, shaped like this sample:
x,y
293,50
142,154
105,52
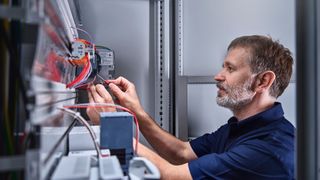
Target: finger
x,y
115,81
96,97
90,96
101,90
121,82
116,91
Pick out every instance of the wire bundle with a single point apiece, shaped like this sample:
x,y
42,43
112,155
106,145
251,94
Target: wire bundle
x,y
83,76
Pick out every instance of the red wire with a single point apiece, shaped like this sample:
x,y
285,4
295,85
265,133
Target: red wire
x,y
118,107
81,75
86,84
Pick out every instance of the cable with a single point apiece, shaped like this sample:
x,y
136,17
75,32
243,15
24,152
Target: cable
x,y
101,77
85,123
51,152
86,32
84,73
49,104
85,85
53,92
99,105
83,80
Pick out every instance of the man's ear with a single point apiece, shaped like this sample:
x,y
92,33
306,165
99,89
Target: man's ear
x,y
264,81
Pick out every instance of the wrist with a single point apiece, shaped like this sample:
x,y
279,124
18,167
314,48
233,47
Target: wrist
x,y
141,114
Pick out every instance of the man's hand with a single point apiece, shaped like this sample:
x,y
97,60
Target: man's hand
x,y
125,92
98,94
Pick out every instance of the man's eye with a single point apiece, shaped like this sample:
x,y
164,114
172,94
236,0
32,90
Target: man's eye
x,y
230,69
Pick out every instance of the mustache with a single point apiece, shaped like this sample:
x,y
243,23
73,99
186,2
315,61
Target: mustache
x,y
221,86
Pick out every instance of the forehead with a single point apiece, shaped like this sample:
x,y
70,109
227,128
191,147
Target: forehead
x,y
237,57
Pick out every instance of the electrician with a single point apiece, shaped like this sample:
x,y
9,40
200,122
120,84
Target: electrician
x,y
256,143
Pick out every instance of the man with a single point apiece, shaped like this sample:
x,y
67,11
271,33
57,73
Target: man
x,y
256,143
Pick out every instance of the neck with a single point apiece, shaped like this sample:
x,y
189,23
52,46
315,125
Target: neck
x,y
257,105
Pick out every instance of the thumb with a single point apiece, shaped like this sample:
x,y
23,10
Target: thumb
x,y
116,91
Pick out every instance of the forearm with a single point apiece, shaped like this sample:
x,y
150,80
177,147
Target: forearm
x,y
167,170
167,146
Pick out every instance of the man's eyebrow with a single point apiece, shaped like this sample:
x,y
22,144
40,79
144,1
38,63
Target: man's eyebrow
x,y
228,64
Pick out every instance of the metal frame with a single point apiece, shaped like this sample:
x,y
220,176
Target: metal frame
x,y
179,32
180,82
307,84
163,91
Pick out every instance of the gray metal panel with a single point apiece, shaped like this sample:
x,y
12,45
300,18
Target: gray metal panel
x,y
209,26
205,116
181,114
124,26
307,92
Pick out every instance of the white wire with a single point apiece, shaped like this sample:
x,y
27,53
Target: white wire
x,y
86,32
85,123
98,104
84,80
112,105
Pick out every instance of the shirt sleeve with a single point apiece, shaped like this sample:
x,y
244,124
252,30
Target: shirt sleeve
x,y
251,159
209,143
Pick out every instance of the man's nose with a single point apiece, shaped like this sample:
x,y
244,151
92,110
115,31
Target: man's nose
x,y
219,76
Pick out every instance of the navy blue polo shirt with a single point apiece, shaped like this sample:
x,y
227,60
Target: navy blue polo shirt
x,y
259,147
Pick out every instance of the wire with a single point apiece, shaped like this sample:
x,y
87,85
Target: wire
x,y
101,78
51,103
86,77
53,92
8,128
86,32
103,47
86,85
59,141
84,73
85,123
99,105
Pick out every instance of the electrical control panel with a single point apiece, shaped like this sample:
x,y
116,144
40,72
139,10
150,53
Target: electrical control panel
x,y
50,67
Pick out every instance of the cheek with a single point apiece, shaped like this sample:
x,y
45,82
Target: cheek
x,y
241,78
237,81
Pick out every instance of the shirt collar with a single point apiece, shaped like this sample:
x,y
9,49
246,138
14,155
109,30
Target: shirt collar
x,y
257,121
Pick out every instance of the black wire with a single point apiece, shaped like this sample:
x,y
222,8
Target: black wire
x,y
54,102
2,100
17,92
51,152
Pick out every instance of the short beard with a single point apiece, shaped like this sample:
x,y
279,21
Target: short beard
x,y
237,96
